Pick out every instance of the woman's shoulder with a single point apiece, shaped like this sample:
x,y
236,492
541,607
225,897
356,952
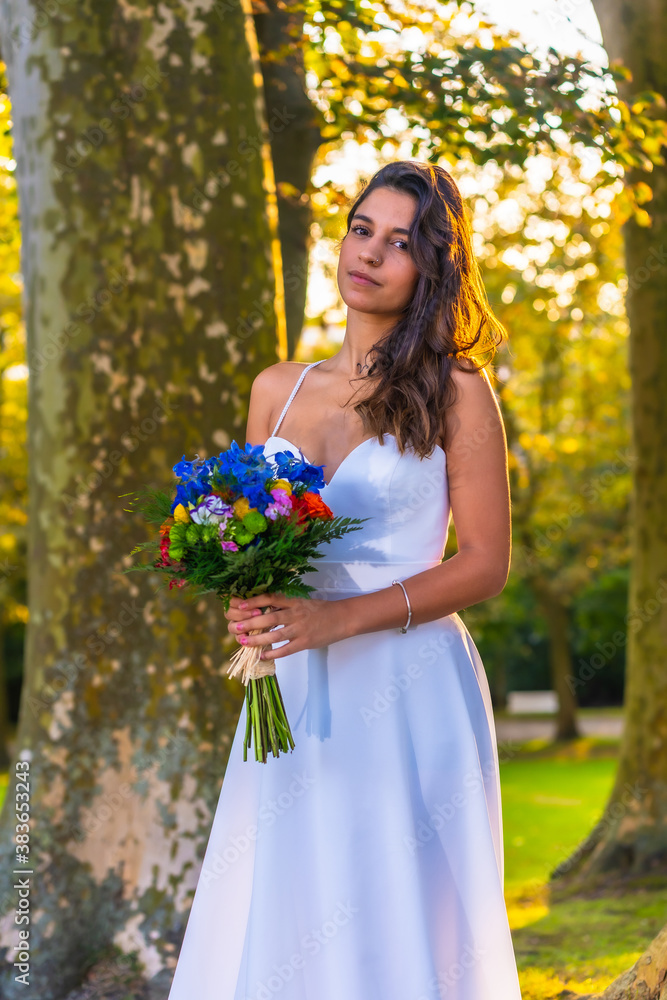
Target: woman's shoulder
x,y
279,375
269,393
471,381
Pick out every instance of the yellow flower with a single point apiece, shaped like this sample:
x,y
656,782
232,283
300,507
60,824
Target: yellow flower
x,y
282,484
181,514
242,507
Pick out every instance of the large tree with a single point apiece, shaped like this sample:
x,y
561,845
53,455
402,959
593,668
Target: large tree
x,y
632,834
150,254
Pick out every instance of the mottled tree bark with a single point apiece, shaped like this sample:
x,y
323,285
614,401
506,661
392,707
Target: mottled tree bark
x,y
635,836
645,980
150,258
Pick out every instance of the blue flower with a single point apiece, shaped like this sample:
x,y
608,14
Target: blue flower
x,y
186,471
194,481
257,497
298,470
247,465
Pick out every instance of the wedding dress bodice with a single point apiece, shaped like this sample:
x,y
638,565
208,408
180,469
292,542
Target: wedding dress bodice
x,y
405,499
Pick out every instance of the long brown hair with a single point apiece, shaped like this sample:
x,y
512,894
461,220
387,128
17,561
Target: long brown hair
x,y
411,365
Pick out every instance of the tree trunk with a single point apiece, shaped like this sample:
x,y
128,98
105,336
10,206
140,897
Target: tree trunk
x,y
560,656
150,246
646,980
279,31
634,835
4,706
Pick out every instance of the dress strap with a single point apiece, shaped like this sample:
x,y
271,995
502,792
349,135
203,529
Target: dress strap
x,y
294,392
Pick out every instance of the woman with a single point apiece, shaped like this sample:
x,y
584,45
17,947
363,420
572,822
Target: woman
x,y
368,864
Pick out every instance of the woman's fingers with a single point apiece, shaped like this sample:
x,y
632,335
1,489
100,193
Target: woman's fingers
x,y
257,621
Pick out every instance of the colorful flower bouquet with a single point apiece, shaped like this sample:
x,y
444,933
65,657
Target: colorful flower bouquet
x,y
239,525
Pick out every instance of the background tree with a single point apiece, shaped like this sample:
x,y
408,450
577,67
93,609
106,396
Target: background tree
x,y
632,835
149,255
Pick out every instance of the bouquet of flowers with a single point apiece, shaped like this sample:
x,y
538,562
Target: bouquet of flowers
x,y
238,525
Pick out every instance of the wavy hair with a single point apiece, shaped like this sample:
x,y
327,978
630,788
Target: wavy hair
x,y
447,323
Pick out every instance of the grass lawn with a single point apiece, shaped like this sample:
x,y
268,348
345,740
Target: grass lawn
x,y
551,799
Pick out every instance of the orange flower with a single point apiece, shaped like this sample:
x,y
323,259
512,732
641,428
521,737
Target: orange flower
x,y
311,506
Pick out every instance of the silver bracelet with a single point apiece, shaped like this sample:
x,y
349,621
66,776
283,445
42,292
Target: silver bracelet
x,y
404,628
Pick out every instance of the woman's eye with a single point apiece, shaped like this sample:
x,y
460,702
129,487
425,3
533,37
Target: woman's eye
x,y
356,229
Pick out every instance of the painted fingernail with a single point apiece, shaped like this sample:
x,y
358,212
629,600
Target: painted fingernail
x,y
243,604
256,611
243,639
240,626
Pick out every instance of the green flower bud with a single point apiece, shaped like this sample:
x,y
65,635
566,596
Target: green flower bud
x,y
242,537
255,522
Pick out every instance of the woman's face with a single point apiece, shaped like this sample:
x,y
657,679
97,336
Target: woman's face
x,y
377,245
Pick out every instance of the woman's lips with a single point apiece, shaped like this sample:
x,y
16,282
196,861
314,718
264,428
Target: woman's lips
x,y
361,280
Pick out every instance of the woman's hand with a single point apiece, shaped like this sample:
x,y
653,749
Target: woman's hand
x,y
307,623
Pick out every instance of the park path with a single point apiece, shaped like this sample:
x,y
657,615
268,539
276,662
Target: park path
x,y
516,728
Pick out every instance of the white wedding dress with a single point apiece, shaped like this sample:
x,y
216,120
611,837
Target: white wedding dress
x,y
368,863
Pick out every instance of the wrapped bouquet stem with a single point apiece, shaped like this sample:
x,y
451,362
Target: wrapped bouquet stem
x,y
266,718
238,525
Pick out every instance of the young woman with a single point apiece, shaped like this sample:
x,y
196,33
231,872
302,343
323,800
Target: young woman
x,y
368,863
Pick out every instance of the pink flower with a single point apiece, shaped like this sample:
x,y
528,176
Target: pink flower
x,y
281,506
229,546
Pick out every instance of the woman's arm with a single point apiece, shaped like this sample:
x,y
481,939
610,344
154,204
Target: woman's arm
x,y
479,495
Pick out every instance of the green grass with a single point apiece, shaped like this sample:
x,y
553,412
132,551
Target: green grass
x,y
552,797
549,806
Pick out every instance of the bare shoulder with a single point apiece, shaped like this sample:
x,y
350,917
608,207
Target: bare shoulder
x,y
278,375
269,393
475,403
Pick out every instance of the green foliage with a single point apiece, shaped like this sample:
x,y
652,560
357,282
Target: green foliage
x,y
552,258
276,560
466,90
